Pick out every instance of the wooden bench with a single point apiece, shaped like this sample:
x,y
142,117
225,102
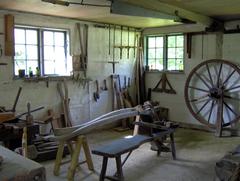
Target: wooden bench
x,y
115,149
126,145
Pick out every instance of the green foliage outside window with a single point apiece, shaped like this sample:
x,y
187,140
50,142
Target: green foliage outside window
x,y
165,52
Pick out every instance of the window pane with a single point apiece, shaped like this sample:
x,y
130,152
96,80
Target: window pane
x,y
31,37
59,54
33,64
179,64
179,52
48,37
151,53
171,53
20,52
159,53
159,42
32,52
159,64
19,64
171,64
151,42
151,63
49,67
171,41
48,53
19,35
59,39
180,41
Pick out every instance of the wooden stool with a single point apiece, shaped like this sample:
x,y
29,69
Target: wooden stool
x,y
78,141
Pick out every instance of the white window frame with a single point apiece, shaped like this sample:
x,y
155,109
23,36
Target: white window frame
x,y
165,50
40,45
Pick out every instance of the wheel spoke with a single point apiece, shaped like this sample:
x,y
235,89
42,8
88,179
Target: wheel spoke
x,y
232,88
210,113
219,74
230,108
196,88
228,114
205,83
209,74
230,97
229,76
204,105
199,98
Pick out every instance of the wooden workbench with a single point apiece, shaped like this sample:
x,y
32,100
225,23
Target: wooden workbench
x,y
16,167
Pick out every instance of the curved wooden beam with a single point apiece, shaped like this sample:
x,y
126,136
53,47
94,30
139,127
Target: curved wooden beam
x,y
111,117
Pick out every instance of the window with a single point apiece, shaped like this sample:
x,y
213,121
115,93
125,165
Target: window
x,y
42,49
165,52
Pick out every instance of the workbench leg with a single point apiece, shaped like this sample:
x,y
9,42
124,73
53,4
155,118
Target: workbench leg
x,y
58,158
87,154
74,159
173,146
104,169
119,168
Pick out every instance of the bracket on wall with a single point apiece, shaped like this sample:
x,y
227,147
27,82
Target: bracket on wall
x,y
165,83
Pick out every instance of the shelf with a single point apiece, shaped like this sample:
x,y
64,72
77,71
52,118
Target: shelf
x,y
119,46
46,78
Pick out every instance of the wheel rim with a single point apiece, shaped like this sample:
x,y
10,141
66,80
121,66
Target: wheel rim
x,y
212,87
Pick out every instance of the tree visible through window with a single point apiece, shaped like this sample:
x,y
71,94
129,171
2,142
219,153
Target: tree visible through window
x,y
41,48
165,52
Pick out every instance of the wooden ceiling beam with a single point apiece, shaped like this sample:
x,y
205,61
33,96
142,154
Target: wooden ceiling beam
x,y
168,9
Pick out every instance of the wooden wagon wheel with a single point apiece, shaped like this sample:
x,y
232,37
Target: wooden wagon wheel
x,y
212,93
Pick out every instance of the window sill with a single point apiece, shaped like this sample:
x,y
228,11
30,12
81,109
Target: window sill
x,y
168,72
42,78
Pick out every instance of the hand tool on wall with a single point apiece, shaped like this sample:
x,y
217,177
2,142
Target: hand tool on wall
x,y
125,82
96,95
83,40
113,62
119,83
109,39
105,85
121,43
129,82
128,45
135,43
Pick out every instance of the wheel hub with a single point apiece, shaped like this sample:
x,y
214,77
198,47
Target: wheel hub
x,y
215,93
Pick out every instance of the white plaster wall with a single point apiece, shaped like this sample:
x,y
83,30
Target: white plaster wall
x,y
82,105
204,47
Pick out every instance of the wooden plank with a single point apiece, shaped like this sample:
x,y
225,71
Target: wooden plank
x,y
9,35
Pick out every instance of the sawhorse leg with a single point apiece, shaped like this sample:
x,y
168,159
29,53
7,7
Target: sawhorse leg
x,y
58,158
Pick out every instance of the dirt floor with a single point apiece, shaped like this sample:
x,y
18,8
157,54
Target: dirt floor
x,y
197,153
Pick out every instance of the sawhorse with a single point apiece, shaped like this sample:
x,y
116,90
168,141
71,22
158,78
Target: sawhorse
x,y
79,141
